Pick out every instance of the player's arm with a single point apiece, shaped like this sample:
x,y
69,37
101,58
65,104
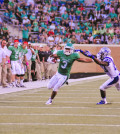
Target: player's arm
x,y
102,63
54,56
84,60
38,58
26,61
94,57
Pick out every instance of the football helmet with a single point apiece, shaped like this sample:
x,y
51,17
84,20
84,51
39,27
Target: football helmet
x,y
68,49
104,52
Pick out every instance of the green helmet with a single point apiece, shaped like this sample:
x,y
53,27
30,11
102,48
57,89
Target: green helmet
x,y
68,49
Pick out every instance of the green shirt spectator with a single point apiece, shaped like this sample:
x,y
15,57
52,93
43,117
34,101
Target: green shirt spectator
x,y
54,7
97,6
108,24
32,17
78,30
65,16
25,33
11,4
113,15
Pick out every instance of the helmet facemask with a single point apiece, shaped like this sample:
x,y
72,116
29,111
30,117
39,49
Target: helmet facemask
x,y
104,52
68,49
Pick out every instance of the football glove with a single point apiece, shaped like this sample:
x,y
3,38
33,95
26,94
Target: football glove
x,y
88,54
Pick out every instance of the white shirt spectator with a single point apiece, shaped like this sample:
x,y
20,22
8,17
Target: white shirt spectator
x,y
26,20
29,54
50,40
2,55
62,9
58,39
52,26
29,2
72,24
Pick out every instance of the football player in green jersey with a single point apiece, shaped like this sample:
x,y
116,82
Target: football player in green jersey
x,y
17,55
22,58
67,58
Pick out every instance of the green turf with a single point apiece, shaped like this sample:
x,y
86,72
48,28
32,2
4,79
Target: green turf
x,y
74,111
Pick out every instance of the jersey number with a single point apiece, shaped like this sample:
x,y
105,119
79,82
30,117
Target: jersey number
x,y
65,64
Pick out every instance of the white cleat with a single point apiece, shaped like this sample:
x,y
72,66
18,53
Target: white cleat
x,y
49,102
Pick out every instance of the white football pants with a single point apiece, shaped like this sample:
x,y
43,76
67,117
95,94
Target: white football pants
x,y
57,81
111,82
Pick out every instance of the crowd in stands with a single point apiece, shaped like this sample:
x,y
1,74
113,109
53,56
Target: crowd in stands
x,y
55,22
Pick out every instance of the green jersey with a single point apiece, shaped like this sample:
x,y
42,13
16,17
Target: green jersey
x,y
15,53
22,52
34,56
66,62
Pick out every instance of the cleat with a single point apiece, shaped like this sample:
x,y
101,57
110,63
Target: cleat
x,y
17,85
6,87
22,86
49,102
102,102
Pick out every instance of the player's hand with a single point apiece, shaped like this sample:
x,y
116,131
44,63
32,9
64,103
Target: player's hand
x,y
87,53
28,67
9,65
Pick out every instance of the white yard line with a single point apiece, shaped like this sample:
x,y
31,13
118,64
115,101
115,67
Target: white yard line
x,y
48,107
15,101
29,114
64,124
40,84
59,97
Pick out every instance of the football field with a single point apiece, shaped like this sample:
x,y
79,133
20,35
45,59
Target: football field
x,y
74,111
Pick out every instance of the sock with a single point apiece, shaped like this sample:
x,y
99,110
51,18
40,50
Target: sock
x,y
16,82
21,82
104,99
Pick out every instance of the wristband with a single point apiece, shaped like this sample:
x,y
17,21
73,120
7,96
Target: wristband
x,y
93,57
9,61
27,63
81,51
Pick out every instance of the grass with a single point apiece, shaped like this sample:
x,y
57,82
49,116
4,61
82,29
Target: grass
x,y
74,111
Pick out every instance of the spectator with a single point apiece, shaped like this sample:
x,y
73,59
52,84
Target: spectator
x,y
14,19
90,38
32,17
25,33
62,9
115,40
108,24
113,15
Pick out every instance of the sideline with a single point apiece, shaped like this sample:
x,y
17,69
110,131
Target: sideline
x,y
42,84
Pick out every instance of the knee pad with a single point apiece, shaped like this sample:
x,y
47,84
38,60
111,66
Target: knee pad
x,y
102,88
49,86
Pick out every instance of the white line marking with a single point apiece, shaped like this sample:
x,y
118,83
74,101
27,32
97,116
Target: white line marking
x,y
11,101
58,97
89,115
59,124
15,107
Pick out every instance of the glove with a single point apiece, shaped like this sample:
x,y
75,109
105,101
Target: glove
x,y
78,50
88,54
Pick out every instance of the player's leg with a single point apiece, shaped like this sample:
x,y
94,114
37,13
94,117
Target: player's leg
x,y
53,81
22,75
18,74
109,83
56,85
118,84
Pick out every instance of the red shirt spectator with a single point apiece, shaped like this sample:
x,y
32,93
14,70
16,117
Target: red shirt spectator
x,y
50,32
81,8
